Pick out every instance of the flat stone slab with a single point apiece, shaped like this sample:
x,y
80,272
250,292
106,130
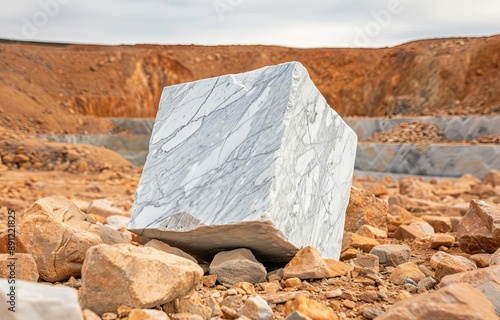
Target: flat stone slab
x,y
256,160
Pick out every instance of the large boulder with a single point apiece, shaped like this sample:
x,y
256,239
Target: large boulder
x,y
256,160
479,230
134,276
365,208
58,235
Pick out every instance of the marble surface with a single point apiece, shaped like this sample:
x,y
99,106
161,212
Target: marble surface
x,y
256,160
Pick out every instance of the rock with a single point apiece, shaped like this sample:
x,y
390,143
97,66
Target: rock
x,y
147,314
485,280
104,207
185,316
439,256
355,241
188,305
296,315
407,232
38,301
237,266
365,209
455,221
406,271
448,266
492,178
90,315
248,185
392,254
282,297
454,302
482,260
416,188
21,266
371,313
209,280
308,264
310,308
479,229
440,224
495,258
333,293
256,308
366,261
371,232
349,254
441,239
292,282
58,235
123,274
426,283
162,246
423,227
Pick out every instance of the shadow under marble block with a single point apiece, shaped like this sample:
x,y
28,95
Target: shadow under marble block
x,y
255,160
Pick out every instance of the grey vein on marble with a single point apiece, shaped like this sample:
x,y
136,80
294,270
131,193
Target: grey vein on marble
x,y
256,160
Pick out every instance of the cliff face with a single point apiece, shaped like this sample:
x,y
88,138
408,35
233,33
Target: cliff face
x,y
55,88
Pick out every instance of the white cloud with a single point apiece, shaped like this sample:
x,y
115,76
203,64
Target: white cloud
x,y
296,23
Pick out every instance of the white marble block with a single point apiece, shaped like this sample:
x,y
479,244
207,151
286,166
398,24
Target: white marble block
x,y
255,160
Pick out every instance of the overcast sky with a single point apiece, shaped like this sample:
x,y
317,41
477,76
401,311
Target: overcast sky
x,y
295,23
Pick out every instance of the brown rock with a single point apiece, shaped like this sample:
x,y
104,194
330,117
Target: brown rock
x,y
308,264
407,232
162,246
492,178
440,255
406,271
416,188
449,266
58,235
377,188
366,261
482,260
310,308
105,208
147,314
187,316
188,305
21,266
355,241
371,232
292,282
441,239
125,274
365,208
454,302
209,280
282,297
495,258
423,227
237,265
440,224
256,308
392,254
479,229
296,315
485,280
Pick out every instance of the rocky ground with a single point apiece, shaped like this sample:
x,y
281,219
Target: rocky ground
x,y
411,247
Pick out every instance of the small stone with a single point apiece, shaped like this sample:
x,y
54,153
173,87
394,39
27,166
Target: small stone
x,y
403,295
353,240
188,305
407,232
406,271
371,232
449,266
349,304
24,266
310,308
492,178
371,313
229,313
392,254
426,283
292,282
333,293
439,256
147,314
275,275
186,316
256,308
282,297
440,224
423,227
162,246
90,315
296,315
368,296
349,254
455,302
209,280
308,264
441,239
272,287
482,260
123,311
109,316
237,266
367,261
105,208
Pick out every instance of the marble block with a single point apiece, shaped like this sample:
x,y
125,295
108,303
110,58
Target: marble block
x,y
255,160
